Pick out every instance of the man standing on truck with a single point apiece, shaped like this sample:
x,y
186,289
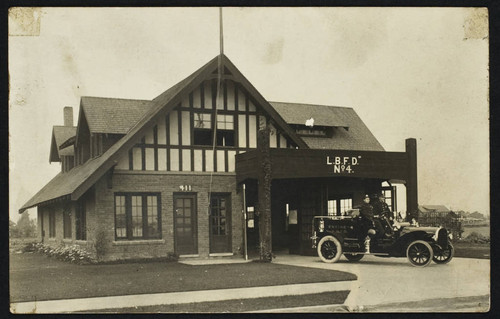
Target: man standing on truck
x,y
380,207
367,225
383,225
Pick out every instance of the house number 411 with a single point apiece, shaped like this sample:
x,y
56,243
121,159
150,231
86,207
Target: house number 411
x,y
185,188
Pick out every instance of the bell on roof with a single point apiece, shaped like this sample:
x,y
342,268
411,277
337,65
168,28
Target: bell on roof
x,y
310,122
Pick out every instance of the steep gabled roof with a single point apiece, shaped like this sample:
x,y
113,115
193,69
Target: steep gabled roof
x,y
59,135
111,115
63,184
78,180
357,136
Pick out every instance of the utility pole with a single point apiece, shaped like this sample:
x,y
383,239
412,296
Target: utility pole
x,y
264,190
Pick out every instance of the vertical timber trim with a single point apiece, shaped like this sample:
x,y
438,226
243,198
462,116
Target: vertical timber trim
x,y
143,154
202,95
411,182
179,130
167,131
155,139
247,119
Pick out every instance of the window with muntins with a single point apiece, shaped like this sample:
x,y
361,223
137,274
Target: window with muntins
x,y
137,216
52,224
338,206
81,221
225,130
202,128
218,215
67,223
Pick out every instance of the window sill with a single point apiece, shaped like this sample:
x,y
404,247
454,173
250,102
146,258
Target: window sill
x,y
53,239
138,242
80,242
67,240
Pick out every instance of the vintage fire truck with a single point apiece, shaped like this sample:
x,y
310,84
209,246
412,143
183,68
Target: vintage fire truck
x,y
334,236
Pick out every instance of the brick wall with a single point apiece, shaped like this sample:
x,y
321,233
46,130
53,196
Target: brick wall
x,y
45,211
102,220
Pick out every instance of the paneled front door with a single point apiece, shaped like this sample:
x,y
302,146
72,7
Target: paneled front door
x,y
220,223
185,226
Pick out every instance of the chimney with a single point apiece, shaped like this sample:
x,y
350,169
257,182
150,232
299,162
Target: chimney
x,y
68,116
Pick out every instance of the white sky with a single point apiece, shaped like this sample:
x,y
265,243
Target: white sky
x,y
407,72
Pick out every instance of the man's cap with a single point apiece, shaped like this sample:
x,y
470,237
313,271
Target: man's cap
x,y
367,196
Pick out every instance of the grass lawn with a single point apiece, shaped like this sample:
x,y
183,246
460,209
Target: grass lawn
x,y
472,250
37,277
242,305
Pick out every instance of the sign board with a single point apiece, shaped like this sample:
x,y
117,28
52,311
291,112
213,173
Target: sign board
x,y
343,164
292,217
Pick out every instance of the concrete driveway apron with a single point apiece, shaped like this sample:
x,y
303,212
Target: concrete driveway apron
x,y
390,280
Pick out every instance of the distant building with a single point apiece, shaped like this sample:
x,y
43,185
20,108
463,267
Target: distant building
x,y
440,215
427,211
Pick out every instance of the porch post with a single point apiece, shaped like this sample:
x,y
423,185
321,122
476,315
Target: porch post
x,y
411,182
264,190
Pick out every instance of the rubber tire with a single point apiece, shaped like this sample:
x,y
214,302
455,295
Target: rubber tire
x,y
332,243
447,260
419,244
354,258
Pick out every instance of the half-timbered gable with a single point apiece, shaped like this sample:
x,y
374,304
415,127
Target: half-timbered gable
x,y
202,135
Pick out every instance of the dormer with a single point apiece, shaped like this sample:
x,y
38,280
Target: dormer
x,y
102,122
60,149
313,120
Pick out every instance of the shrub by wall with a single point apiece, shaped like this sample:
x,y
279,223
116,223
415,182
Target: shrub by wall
x,y
74,253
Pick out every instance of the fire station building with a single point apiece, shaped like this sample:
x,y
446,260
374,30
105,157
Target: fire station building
x,y
173,175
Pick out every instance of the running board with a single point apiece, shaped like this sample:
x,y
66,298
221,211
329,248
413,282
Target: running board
x,y
363,253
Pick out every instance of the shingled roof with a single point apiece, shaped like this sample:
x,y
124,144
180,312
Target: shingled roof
x,y
113,116
60,134
64,184
323,115
357,136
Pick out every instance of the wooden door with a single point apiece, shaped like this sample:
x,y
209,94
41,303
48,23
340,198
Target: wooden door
x,y
220,223
185,226
309,207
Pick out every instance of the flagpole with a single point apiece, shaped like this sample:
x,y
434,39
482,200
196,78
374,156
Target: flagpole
x,y
221,32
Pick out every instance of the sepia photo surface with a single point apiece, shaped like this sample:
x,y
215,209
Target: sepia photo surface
x,y
197,159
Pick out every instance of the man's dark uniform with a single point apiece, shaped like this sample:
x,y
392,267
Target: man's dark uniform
x,y
382,209
366,213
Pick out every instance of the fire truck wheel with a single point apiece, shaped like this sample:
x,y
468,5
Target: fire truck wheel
x,y
329,249
419,253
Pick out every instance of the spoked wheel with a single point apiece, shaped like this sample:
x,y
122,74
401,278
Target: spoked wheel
x,y
419,253
329,249
444,255
354,258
